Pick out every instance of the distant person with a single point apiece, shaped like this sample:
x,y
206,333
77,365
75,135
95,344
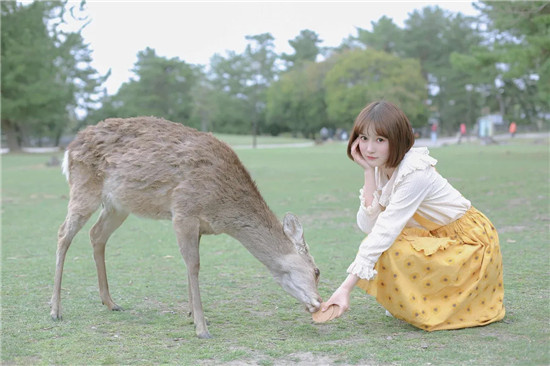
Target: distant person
x,y
462,132
430,258
512,129
434,133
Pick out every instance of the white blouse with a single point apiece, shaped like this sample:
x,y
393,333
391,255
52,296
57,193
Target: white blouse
x,y
414,187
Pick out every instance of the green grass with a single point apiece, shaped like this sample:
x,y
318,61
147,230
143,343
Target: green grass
x,y
254,321
244,140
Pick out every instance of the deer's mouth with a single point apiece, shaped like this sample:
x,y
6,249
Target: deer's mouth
x,y
314,305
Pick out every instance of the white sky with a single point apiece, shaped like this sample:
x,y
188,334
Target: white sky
x,y
195,31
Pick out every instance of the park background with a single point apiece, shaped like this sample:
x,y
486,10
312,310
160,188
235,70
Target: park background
x,y
439,66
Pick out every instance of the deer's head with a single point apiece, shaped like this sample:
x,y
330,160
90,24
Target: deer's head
x,y
298,274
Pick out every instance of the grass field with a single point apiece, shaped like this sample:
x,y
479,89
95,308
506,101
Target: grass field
x,y
252,319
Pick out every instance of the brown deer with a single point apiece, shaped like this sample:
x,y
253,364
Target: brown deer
x,y
163,170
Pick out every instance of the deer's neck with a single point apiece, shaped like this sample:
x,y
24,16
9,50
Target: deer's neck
x,y
264,240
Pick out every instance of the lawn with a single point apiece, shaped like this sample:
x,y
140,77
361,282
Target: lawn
x,y
252,319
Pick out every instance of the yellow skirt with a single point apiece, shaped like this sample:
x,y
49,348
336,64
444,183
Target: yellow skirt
x,y
447,278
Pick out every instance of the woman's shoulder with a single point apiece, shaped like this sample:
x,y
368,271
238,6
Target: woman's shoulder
x,y
415,160
419,155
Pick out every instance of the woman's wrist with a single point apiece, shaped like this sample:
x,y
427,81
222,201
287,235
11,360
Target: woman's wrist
x,y
349,282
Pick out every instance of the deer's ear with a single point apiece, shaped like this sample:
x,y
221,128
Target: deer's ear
x,y
294,231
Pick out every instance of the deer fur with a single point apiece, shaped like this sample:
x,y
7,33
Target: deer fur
x,y
163,170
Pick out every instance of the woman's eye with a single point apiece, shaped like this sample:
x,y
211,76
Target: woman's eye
x,y
364,138
380,139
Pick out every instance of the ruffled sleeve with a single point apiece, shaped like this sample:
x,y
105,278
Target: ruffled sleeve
x,y
362,270
366,216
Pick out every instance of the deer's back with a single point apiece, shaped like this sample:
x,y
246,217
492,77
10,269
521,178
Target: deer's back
x,y
152,167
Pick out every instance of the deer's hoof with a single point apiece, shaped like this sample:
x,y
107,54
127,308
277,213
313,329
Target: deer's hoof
x,y
204,335
56,314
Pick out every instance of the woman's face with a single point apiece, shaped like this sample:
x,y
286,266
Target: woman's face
x,y
374,148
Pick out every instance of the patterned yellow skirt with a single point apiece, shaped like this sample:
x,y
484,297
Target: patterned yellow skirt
x,y
446,278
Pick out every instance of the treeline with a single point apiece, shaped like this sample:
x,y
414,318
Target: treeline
x,y
440,66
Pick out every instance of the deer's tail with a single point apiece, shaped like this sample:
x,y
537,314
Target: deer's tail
x,y
65,165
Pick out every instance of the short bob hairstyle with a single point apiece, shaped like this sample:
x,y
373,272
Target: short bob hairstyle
x,y
388,121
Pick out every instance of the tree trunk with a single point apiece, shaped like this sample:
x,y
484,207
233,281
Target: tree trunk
x,y
11,131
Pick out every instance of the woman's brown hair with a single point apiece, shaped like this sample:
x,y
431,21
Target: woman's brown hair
x,y
388,121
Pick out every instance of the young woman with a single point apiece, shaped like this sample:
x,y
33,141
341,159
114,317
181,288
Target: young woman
x,y
430,258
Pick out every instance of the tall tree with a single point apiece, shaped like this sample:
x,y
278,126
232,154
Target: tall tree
x,y
385,36
296,102
306,48
46,72
229,78
519,45
261,60
162,87
431,36
360,76
241,81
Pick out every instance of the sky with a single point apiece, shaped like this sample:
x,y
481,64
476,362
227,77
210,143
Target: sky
x,y
195,31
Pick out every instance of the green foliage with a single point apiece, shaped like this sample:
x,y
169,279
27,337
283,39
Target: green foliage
x,y
498,61
46,72
296,102
305,47
252,319
359,77
385,36
241,81
519,51
432,36
163,88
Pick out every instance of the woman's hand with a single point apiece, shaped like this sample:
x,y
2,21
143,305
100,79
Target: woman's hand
x,y
358,156
340,297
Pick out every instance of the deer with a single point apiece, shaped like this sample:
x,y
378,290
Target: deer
x,y
158,169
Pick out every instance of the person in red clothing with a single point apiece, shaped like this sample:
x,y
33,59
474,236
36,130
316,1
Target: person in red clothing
x,y
513,128
462,132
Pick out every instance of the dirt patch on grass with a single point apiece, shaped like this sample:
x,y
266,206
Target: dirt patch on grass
x,y
305,359
294,359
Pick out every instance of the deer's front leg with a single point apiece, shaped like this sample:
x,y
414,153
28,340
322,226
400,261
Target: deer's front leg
x,y
72,224
188,236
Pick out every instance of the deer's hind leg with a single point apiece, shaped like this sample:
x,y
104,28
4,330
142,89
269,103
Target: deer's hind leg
x,y
84,201
109,220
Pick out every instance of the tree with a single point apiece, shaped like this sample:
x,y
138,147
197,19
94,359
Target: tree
x,y
261,59
296,102
431,36
46,72
242,81
162,87
228,77
361,76
519,49
305,47
385,36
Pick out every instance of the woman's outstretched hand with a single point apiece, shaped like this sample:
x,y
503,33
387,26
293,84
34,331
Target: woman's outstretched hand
x,y
340,297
